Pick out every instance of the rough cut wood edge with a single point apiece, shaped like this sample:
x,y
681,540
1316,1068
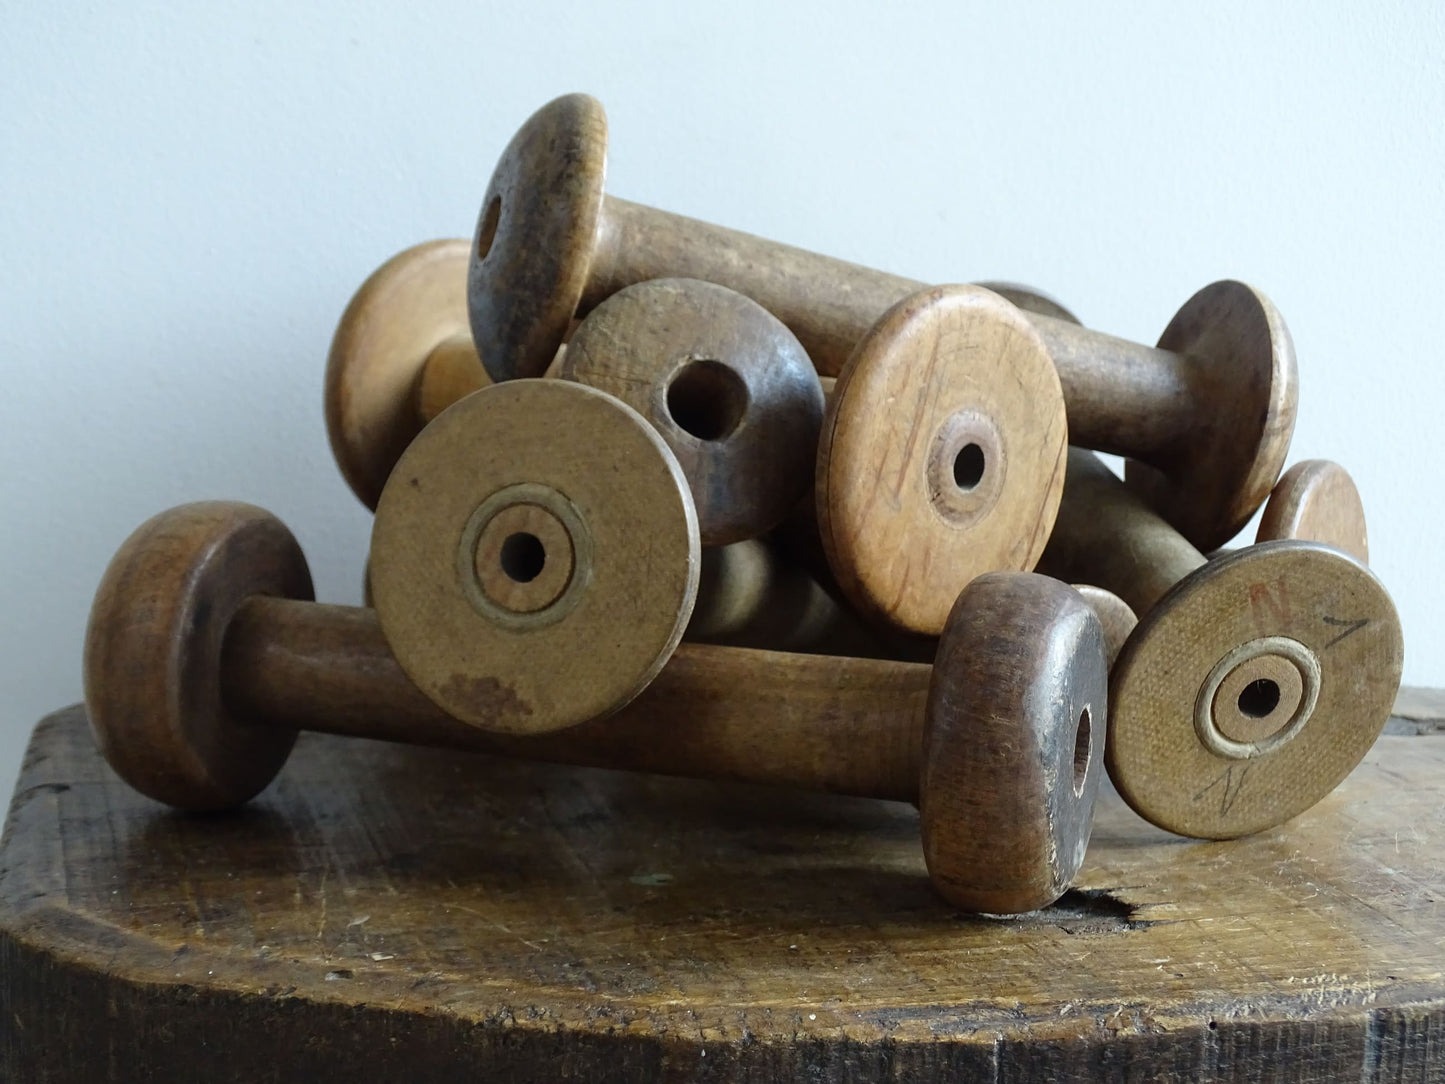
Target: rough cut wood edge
x,y
83,1021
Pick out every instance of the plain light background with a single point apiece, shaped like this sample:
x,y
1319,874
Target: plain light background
x,y
190,193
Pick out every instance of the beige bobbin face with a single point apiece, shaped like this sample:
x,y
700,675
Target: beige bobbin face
x,y
942,455
1252,689
535,556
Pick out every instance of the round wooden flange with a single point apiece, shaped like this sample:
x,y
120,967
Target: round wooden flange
x,y
1240,446
942,454
1252,688
535,556
730,389
410,305
1317,500
1030,300
153,673
1014,743
535,236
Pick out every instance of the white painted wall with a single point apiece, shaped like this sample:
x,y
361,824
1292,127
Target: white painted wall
x,y
190,193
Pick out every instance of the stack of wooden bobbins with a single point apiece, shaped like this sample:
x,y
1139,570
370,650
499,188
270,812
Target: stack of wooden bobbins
x,y
653,494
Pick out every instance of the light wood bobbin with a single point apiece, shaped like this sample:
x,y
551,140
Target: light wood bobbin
x,y
534,557
998,743
402,340
1253,683
727,386
942,455
1317,500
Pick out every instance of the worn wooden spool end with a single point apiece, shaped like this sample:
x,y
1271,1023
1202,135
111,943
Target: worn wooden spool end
x,y
727,386
1317,500
505,561
942,455
411,311
385,912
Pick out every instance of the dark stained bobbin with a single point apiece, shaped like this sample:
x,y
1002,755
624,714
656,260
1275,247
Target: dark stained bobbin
x,y
727,386
998,743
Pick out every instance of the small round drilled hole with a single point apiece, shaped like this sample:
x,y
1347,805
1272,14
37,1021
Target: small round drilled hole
x,y
523,556
1083,749
707,399
1259,698
487,230
968,467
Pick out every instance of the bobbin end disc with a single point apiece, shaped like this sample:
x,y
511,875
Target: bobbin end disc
x,y
725,383
1030,300
535,236
1013,743
409,305
535,556
1248,395
153,675
1318,501
1252,689
942,454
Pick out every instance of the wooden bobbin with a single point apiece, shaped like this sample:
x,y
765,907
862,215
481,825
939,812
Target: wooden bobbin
x,y
522,585
727,386
406,323
1211,409
941,457
997,744
1030,299
1253,683
1317,500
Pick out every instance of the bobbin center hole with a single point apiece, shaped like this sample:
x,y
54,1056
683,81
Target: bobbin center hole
x,y
707,399
487,230
968,466
1259,698
522,556
1083,750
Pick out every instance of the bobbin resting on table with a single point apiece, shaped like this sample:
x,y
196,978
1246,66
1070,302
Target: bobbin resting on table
x,y
204,657
1253,683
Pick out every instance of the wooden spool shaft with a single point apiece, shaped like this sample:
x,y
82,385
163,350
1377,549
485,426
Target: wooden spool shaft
x,y
453,369
827,723
1096,512
1122,397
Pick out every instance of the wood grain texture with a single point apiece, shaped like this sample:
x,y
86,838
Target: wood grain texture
x,y
1317,499
942,455
385,912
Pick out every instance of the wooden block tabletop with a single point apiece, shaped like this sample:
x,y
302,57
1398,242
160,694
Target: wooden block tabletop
x,y
397,913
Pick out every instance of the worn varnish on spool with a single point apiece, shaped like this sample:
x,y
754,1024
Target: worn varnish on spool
x,y
403,913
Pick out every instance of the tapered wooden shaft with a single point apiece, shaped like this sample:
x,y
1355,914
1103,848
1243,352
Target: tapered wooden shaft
x,y
1122,397
827,303
837,724
451,371
1096,513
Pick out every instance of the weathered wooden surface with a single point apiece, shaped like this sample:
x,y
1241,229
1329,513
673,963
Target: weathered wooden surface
x,y
384,912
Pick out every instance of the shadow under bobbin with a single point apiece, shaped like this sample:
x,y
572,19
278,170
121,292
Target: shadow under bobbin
x,y
200,670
